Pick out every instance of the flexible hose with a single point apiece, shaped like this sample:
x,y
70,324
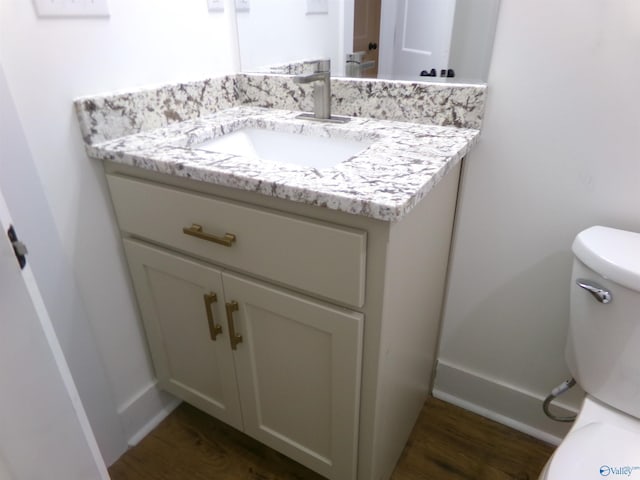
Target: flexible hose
x,y
556,392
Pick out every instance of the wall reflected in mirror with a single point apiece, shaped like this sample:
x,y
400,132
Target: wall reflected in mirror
x,y
417,40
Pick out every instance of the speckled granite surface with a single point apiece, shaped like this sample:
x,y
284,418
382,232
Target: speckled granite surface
x,y
109,116
428,103
384,181
114,115
418,132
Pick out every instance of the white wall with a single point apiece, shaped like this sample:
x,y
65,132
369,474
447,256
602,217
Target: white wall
x,y
474,26
388,17
559,152
47,63
22,189
40,401
280,31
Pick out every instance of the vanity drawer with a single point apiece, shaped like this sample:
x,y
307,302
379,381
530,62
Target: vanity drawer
x,y
321,258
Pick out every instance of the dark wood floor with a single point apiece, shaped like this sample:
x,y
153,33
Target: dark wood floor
x,y
447,443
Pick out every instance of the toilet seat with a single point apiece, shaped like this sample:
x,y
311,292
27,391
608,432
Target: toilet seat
x,y
596,451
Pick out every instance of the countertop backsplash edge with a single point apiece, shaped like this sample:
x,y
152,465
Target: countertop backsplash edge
x,y
105,117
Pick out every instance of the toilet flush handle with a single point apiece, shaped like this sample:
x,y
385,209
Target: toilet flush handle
x,y
598,291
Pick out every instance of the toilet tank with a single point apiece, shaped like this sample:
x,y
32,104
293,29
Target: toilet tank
x,y
603,341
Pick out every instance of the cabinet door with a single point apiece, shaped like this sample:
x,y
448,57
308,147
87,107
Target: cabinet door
x,y
298,370
174,294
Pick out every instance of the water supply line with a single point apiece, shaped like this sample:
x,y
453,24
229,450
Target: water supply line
x,y
556,392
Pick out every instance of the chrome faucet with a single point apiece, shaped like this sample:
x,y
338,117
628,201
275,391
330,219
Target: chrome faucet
x,y
321,80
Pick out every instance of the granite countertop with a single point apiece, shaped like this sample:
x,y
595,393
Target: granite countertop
x,y
384,181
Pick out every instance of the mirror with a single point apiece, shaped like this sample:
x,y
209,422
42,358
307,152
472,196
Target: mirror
x,y
417,40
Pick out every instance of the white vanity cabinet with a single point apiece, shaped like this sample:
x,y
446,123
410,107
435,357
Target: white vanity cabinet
x,y
281,367
313,331
182,307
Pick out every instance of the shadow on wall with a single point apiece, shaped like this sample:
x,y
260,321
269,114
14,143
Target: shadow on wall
x,y
129,355
518,309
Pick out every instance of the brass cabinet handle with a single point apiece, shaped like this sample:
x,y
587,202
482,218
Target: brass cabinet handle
x,y
195,230
214,330
234,337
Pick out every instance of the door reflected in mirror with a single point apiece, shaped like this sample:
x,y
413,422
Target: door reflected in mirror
x,y
366,38
417,40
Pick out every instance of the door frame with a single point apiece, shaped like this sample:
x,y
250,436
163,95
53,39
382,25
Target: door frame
x,y
56,356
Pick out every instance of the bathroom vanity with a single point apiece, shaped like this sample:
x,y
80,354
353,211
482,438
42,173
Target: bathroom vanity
x,y
299,304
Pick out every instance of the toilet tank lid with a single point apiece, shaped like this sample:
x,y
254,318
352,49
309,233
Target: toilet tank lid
x,y
613,253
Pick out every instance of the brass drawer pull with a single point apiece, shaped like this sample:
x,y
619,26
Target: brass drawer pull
x,y
234,337
195,230
214,330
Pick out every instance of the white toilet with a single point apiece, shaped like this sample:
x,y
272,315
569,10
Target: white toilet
x,y
603,354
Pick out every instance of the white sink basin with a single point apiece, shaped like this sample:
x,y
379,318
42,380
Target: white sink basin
x,y
282,147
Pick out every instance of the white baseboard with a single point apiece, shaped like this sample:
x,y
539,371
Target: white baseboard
x,y
500,402
145,411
